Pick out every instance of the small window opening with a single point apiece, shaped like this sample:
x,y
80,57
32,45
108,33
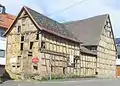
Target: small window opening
x,y
19,29
13,65
31,45
29,53
51,68
37,37
18,66
21,47
35,67
23,21
96,73
118,56
43,44
22,38
19,57
63,70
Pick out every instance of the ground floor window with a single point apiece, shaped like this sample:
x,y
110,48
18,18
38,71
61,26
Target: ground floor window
x,y
2,53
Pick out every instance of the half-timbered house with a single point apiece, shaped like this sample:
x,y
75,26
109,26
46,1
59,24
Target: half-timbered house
x,y
96,33
38,46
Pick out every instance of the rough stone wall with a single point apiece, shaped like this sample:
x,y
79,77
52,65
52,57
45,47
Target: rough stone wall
x,y
18,61
106,53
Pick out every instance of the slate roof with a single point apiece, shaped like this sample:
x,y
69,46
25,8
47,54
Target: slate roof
x,y
51,25
6,20
46,24
88,30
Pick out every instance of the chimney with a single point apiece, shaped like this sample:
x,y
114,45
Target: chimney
x,y
2,8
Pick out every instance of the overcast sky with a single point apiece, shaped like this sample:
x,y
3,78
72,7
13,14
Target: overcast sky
x,y
80,11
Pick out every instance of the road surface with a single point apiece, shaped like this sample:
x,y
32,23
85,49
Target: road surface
x,y
76,82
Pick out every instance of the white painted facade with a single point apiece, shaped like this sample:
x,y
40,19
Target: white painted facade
x,y
2,50
117,61
118,57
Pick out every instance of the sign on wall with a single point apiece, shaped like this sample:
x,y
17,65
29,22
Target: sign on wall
x,y
35,60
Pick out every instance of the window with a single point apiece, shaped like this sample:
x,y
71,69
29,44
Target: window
x,y
96,73
2,53
31,45
23,21
19,29
13,66
22,38
51,68
18,66
37,37
35,67
21,46
1,32
110,34
118,56
29,53
75,61
63,70
43,44
18,59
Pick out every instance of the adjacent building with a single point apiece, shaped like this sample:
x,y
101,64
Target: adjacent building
x,y
118,58
5,21
96,33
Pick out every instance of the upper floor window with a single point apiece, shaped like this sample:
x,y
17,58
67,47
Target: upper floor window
x,y
23,21
22,38
2,53
1,33
37,37
19,29
21,46
31,45
43,44
118,56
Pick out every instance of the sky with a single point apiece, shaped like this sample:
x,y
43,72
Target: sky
x,y
83,9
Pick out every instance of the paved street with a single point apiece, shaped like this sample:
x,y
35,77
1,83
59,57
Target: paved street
x,y
78,82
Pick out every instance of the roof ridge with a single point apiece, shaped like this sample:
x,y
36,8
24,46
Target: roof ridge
x,y
86,18
42,14
84,29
